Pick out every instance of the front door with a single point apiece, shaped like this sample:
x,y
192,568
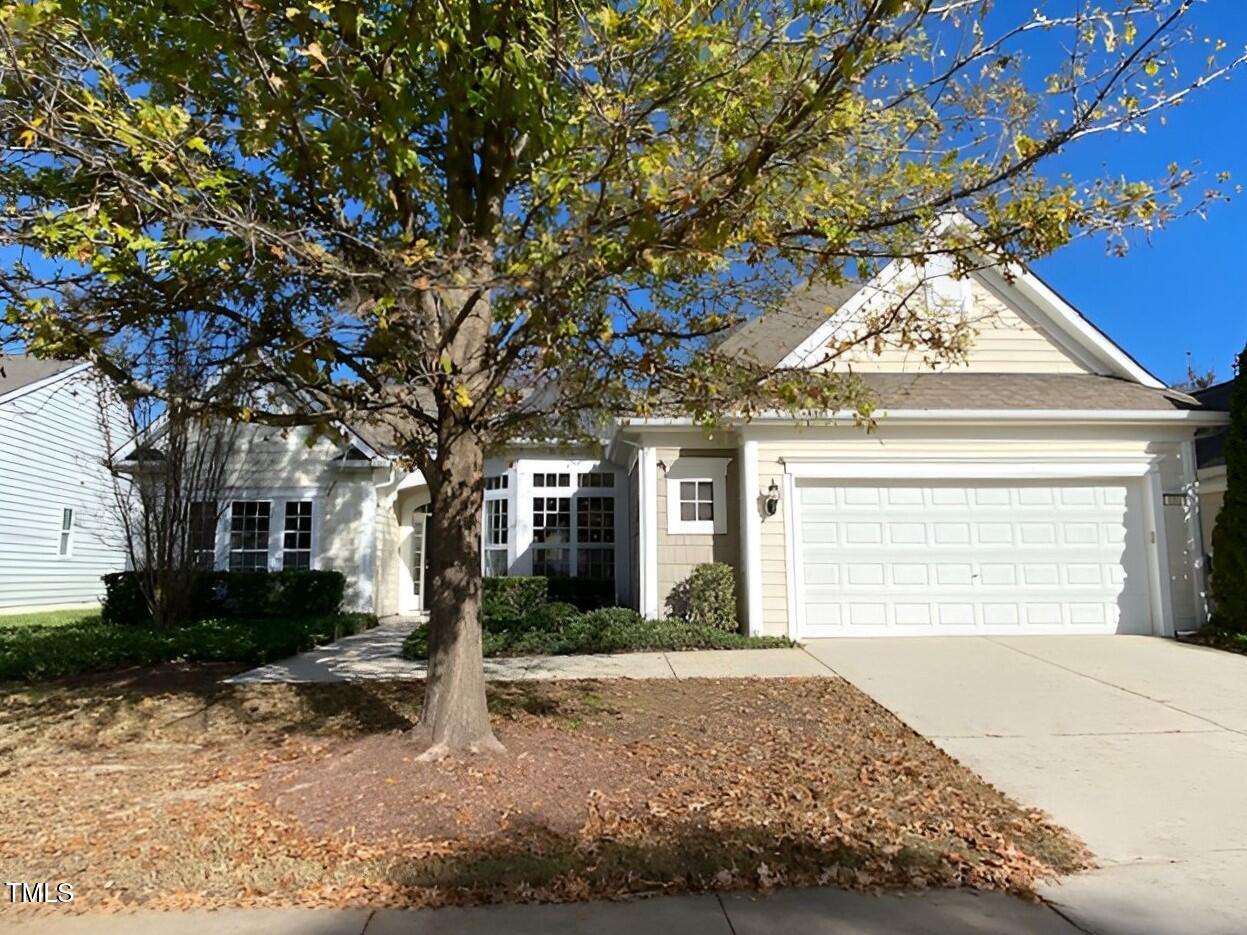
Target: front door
x,y
419,558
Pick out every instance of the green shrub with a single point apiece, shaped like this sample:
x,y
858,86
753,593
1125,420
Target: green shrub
x,y
607,630
585,593
1229,536
123,599
41,651
233,594
707,597
513,595
613,616
552,616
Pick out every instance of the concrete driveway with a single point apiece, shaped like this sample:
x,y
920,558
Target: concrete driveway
x,y
1137,744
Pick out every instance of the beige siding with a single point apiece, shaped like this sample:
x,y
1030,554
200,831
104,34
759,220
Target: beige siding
x,y
1004,341
848,444
678,555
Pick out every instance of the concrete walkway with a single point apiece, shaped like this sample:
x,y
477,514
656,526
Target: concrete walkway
x,y
799,912
375,655
1137,744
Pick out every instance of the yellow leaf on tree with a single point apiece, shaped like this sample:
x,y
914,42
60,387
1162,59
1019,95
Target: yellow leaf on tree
x,y
462,397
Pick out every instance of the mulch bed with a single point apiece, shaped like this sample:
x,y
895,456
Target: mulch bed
x,y
1229,642
189,793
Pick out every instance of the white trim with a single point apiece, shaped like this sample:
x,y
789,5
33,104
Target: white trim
x,y
367,551
751,536
1195,533
794,581
1001,416
1067,319
647,534
711,471
1074,324
40,384
1004,468
1158,553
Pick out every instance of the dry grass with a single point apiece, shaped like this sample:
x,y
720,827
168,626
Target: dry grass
x,y
175,791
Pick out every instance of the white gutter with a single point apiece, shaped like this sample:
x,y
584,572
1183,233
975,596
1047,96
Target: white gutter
x,y
1198,417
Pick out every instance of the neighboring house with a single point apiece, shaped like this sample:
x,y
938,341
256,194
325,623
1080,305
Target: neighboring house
x,y
57,529
1210,459
1045,484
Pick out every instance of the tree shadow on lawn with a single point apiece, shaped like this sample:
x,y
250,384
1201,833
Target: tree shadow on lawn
x,y
190,702
533,863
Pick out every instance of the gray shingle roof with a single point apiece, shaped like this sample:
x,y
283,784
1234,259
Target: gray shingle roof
x,y
767,339
1210,448
21,370
1004,391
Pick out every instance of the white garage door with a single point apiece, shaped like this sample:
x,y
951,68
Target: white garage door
x,y
934,558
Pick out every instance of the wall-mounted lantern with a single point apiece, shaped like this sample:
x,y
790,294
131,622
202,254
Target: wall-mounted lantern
x,y
771,503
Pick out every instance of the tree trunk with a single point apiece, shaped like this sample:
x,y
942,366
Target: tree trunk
x,y
454,717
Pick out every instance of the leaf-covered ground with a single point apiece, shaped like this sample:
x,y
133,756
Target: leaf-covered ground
x,y
170,790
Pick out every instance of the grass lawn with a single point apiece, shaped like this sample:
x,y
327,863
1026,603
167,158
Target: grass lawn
x,y
49,618
61,643
173,790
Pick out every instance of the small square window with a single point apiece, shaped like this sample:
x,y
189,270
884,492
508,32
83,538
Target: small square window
x,y
697,501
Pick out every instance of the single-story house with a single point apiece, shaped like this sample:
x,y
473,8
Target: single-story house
x,y
1210,459
58,526
1043,484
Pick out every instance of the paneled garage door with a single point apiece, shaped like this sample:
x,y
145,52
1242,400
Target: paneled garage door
x,y
934,558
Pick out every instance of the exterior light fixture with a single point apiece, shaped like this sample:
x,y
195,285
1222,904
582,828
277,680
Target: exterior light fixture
x,y
771,503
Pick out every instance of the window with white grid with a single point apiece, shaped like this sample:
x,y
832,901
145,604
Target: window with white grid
x,y
248,535
296,546
552,524
496,522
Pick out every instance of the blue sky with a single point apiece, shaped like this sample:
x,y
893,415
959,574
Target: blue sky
x,y
1186,290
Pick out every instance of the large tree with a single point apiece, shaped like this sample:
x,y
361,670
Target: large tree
x,y
483,219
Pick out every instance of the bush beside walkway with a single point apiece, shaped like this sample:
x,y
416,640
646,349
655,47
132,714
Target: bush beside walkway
x,y
44,646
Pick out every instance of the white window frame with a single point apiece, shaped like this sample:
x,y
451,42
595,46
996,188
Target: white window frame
x,y
523,493
277,499
486,545
311,538
268,545
705,470
65,532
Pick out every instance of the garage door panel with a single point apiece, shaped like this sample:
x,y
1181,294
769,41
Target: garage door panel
x,y
970,558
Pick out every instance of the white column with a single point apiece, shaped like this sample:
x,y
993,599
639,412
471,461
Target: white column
x,y
1158,550
647,478
1195,533
751,537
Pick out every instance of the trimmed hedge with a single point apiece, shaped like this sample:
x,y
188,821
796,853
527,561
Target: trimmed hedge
x,y
558,629
586,593
518,594
233,594
34,651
